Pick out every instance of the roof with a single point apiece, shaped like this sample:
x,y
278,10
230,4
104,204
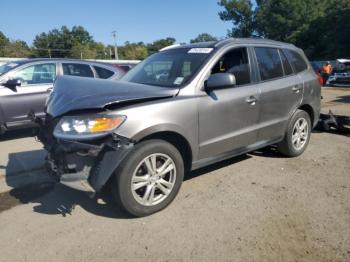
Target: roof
x,y
194,45
221,43
31,60
255,40
343,60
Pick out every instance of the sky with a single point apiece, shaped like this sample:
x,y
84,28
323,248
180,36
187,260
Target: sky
x,y
134,20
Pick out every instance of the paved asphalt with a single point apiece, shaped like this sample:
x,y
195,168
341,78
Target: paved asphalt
x,y
256,207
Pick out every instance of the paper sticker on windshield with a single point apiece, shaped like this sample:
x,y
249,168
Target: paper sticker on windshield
x,y
200,50
12,64
178,80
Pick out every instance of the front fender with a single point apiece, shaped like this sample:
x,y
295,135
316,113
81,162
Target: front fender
x,y
157,129
107,163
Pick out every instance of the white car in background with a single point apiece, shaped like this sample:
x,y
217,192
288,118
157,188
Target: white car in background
x,y
29,82
341,73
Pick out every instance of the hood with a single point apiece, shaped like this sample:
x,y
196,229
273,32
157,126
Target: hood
x,y
78,93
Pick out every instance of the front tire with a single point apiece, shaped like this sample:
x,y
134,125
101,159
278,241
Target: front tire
x,y
149,178
297,135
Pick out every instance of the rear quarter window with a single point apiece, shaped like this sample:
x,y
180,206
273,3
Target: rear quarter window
x,y
103,72
296,60
288,70
269,62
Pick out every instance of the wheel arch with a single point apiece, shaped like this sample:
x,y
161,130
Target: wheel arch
x,y
310,111
178,141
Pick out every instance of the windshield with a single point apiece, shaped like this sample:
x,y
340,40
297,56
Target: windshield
x,y
7,67
171,68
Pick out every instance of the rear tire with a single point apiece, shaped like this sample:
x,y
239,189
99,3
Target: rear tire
x,y
149,178
297,135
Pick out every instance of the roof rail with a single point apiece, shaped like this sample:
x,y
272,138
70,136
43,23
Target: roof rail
x,y
252,39
226,40
169,47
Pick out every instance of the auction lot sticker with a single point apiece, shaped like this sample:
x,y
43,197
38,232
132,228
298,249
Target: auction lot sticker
x,y
200,50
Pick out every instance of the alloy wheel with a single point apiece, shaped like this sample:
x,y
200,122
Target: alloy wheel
x,y
300,133
153,179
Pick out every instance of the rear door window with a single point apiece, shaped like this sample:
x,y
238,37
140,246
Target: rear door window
x,y
103,72
296,60
77,70
270,65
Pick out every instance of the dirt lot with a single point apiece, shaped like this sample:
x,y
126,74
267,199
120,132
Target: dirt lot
x,y
257,207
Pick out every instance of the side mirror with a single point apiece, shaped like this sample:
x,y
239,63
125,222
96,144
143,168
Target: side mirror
x,y
220,80
12,84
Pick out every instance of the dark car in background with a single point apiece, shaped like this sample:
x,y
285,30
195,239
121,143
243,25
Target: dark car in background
x,y
26,84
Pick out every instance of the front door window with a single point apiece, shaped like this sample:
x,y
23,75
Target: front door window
x,y
36,74
235,62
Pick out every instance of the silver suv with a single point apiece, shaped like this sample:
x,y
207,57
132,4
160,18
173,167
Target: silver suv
x,y
181,109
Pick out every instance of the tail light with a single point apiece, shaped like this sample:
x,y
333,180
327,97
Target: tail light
x,y
320,79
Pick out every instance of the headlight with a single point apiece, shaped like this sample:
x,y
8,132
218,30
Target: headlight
x,y
86,126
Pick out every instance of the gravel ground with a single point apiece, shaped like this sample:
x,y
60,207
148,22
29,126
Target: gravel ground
x,y
256,207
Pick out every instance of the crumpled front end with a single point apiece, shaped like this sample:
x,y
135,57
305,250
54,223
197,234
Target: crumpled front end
x,y
83,165
79,131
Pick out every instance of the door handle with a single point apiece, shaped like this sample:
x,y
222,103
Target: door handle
x,y
297,88
251,100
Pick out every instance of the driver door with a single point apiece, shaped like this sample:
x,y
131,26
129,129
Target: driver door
x,y
228,117
36,84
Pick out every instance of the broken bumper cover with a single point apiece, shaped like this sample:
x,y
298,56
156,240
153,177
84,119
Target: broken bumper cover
x,y
86,166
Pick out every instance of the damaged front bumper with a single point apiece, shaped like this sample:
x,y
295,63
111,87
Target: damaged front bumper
x,y
87,165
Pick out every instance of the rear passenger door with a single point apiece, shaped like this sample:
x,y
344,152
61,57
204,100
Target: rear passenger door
x,y
281,92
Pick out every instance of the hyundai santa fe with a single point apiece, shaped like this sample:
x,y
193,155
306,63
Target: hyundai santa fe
x,y
180,109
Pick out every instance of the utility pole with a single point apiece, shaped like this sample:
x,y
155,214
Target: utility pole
x,y
114,34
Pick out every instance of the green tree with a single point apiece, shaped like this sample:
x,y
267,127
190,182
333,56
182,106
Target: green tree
x,y
4,41
80,51
133,51
159,44
320,27
286,20
204,37
241,14
79,35
88,51
328,36
101,50
276,19
13,48
64,42
17,48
